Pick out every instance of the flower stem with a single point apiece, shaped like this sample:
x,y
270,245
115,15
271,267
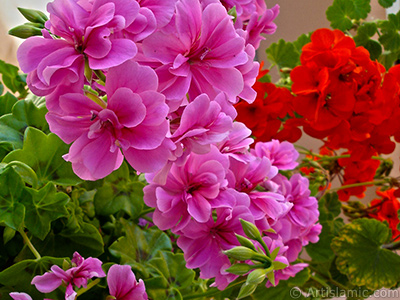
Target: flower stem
x,y
89,286
146,211
100,75
264,245
213,291
27,168
338,284
375,182
392,246
29,244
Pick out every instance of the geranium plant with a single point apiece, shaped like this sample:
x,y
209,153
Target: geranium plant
x,y
145,154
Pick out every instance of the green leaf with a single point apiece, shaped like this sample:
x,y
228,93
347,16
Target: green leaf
x,y
11,78
8,234
12,212
361,9
301,41
7,101
329,206
119,192
390,37
363,38
170,276
321,251
139,245
342,12
31,114
386,3
361,256
11,131
20,275
387,59
43,153
87,241
337,14
42,207
283,54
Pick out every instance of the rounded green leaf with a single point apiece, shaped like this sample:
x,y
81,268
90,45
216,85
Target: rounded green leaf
x,y
43,153
361,257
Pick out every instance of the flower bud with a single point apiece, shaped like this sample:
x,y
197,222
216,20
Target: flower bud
x,y
245,242
257,276
33,15
250,230
244,253
240,253
246,290
25,31
239,269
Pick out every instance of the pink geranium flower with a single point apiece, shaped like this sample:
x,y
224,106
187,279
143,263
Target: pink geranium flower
x,y
202,123
298,227
122,284
77,276
282,155
22,296
199,53
191,190
203,243
133,120
88,30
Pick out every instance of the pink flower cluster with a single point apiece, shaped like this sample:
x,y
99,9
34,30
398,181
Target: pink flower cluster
x,y
204,196
127,78
154,82
121,280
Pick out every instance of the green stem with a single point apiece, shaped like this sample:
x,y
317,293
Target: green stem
x,y
212,292
392,246
324,157
375,182
27,168
100,75
264,245
338,284
319,280
146,211
89,286
29,244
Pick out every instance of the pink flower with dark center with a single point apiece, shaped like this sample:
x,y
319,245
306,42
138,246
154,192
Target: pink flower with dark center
x,y
122,284
76,276
199,53
191,190
133,120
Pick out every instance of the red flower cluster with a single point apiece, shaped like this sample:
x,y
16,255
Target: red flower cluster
x,y
265,116
386,209
344,97
356,171
347,101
